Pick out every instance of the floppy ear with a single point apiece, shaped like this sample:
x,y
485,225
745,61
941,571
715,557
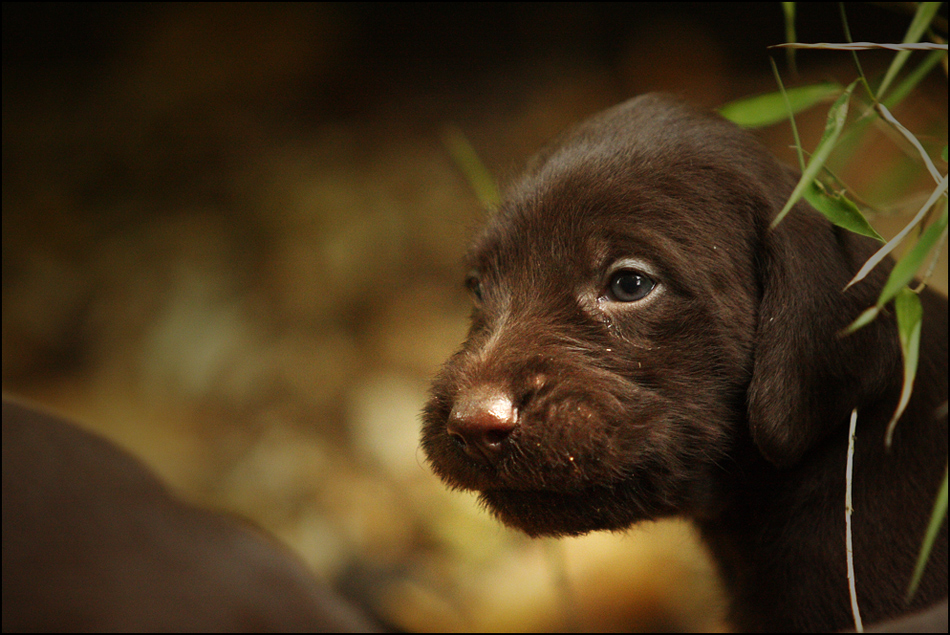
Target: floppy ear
x,y
807,378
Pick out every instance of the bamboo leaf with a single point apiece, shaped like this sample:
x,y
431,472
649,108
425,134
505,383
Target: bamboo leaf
x,y
909,317
839,210
769,109
922,19
837,115
866,317
889,247
903,272
910,82
933,529
858,128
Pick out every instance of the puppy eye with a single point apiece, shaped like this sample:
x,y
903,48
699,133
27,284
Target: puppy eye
x,y
474,286
627,285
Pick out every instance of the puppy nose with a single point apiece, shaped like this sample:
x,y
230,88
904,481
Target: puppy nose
x,y
481,420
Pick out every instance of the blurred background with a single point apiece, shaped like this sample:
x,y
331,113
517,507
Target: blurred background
x,y
232,238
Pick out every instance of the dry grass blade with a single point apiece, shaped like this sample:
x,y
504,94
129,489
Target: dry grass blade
x,y
889,247
886,114
862,46
848,509
911,262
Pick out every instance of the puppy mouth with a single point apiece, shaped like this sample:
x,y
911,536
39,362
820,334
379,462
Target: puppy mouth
x,y
558,513
523,469
570,465
557,504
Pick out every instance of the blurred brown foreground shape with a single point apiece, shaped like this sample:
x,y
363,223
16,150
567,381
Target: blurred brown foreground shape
x,y
92,541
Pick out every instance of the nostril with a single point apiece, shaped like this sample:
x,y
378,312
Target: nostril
x,y
495,437
458,438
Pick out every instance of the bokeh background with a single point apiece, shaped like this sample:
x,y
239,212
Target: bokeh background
x,y
232,239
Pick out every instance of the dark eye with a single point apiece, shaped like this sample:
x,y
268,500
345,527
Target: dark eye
x,y
474,286
627,285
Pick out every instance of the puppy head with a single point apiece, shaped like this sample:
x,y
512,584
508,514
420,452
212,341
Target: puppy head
x,y
618,296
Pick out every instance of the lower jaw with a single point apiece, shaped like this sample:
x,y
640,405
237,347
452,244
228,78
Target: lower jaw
x,y
545,513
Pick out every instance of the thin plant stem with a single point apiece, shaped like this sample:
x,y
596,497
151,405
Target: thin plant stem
x,y
848,509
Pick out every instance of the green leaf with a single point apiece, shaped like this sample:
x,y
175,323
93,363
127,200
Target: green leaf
x,y
788,9
866,317
933,529
881,253
909,318
769,109
857,129
465,157
921,22
840,210
837,115
903,272
910,82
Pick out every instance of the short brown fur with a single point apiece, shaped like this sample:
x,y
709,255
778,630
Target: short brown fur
x,y
724,395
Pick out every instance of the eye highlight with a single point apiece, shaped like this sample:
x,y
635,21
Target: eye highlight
x,y
629,285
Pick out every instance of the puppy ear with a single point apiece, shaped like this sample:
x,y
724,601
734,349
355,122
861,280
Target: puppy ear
x,y
806,377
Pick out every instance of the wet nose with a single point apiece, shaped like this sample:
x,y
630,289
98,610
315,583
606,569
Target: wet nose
x,y
481,420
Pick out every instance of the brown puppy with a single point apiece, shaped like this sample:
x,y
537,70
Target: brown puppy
x,y
92,541
643,345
